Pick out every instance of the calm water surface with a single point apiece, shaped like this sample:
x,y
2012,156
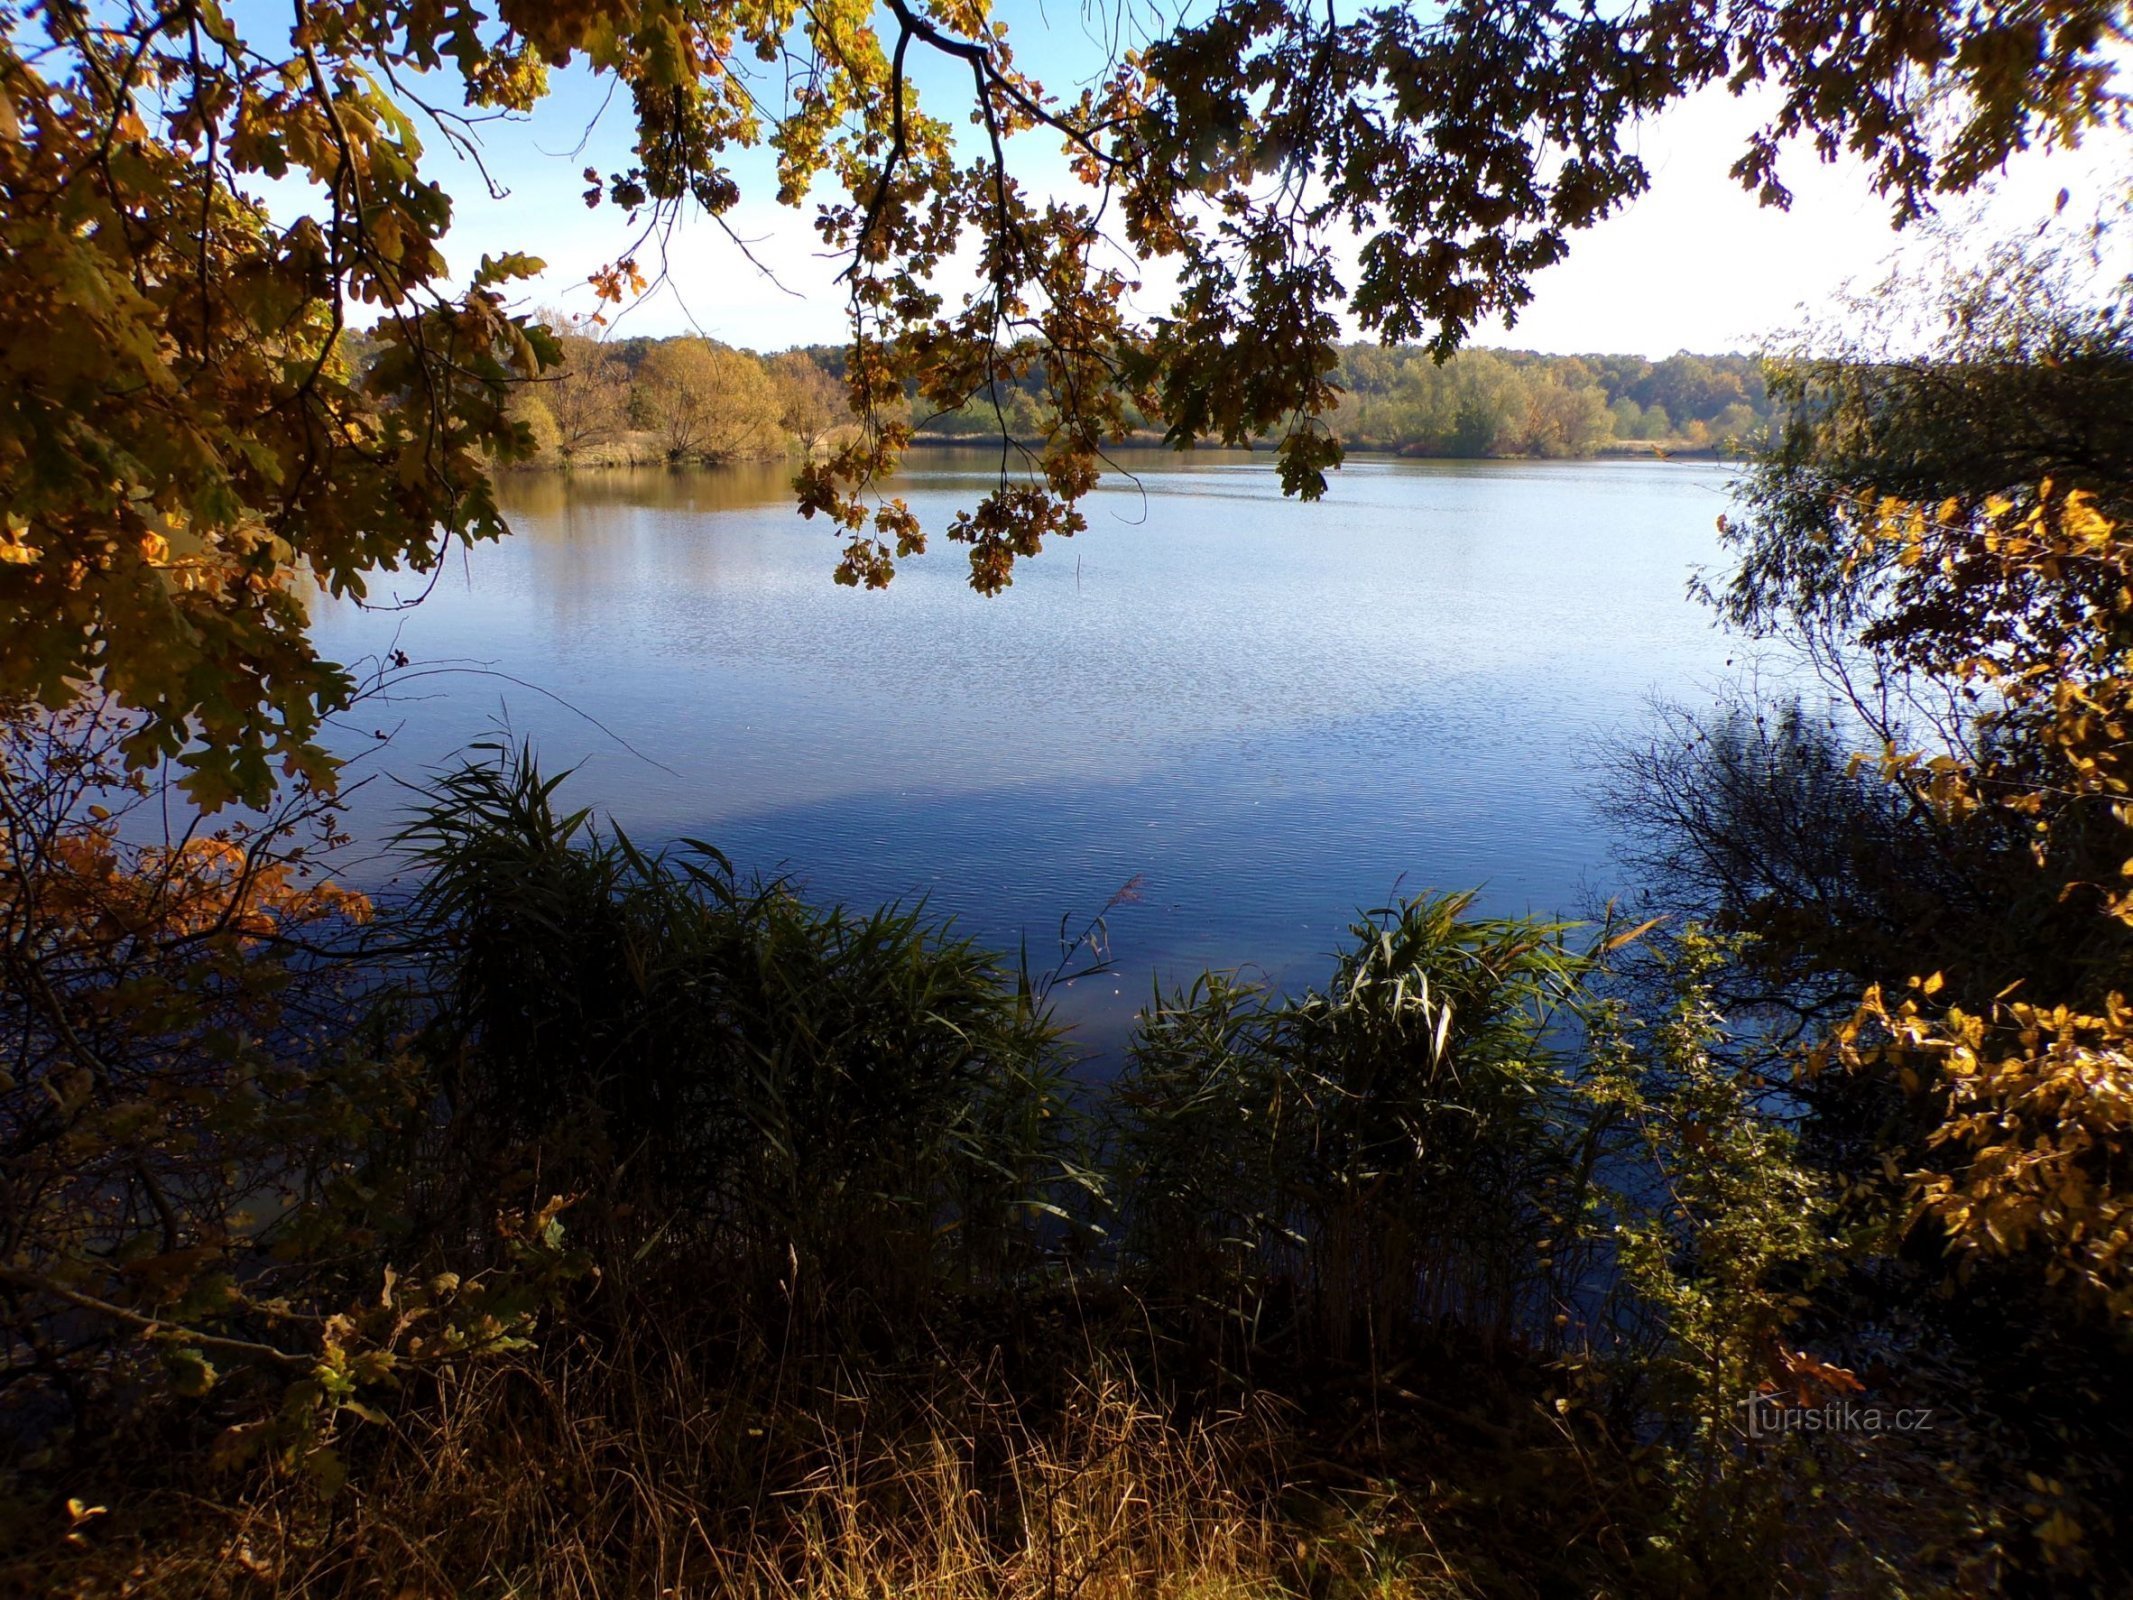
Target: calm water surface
x,y
1269,713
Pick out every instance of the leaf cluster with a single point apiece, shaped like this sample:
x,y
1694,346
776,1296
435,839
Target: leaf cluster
x,y
185,444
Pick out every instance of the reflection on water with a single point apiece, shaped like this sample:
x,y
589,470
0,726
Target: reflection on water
x,y
549,496
1272,713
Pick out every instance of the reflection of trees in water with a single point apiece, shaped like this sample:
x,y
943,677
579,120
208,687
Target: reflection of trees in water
x,y
738,486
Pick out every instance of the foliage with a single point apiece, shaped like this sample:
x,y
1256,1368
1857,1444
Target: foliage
x,y
861,1099
204,1133
608,401
810,402
841,1276
1903,514
605,399
184,433
1932,870
187,428
273,1174
1722,1238
262,1164
1480,403
2027,1160
1388,1154
1464,149
1983,384
2038,1128
1754,817
530,412
587,392
706,401
1933,534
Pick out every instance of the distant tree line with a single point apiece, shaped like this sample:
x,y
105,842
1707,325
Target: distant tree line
x,y
690,399
1517,403
683,400
1484,403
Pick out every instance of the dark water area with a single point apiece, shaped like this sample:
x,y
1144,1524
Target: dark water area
x,y
1269,714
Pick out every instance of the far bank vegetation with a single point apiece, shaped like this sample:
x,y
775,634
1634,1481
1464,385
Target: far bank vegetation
x,y
692,400
635,402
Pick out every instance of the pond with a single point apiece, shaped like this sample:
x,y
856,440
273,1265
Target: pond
x,y
1265,715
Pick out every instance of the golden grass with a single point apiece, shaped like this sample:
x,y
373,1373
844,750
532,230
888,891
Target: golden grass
x,y
606,1481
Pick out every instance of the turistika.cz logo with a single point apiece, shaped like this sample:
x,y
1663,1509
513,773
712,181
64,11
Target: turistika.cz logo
x,y
1771,1415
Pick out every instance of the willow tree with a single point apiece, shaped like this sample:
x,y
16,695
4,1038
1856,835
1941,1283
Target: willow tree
x,y
587,391
182,428
810,401
707,402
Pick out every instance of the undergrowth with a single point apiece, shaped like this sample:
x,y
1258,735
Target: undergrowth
x,y
600,1223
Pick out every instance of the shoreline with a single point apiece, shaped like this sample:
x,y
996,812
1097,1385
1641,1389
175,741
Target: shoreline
x,y
1613,450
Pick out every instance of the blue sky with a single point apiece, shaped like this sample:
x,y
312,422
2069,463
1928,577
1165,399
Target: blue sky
x,y
1694,264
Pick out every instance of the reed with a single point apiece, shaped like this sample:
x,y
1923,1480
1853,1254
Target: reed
x,y
1392,1153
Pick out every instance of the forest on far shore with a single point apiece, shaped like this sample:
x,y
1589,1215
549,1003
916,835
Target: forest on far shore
x,y
639,401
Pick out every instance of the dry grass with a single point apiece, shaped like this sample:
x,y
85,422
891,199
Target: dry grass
x,y
609,1479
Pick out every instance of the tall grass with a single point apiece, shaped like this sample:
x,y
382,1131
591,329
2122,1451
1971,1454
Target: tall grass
x,y
631,1475
1397,1151
857,1105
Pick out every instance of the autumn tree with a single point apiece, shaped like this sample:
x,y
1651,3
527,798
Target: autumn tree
x,y
185,427
1935,533
185,431
1564,416
1690,386
810,402
587,393
1737,425
1934,873
1487,407
707,402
